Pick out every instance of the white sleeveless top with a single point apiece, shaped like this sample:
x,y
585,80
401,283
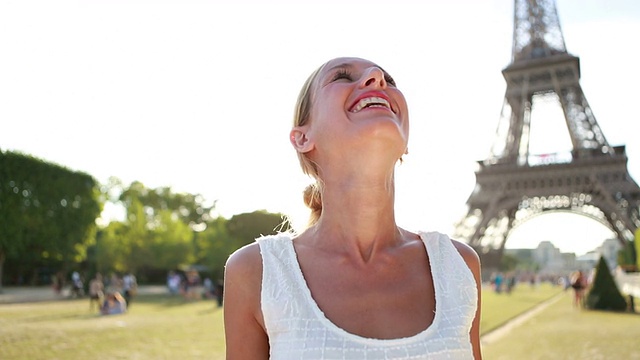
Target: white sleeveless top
x,y
298,329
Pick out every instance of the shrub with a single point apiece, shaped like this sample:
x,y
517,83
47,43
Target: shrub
x,y
604,293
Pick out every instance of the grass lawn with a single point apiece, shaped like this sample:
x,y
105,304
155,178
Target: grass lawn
x,y
564,332
156,327
164,327
500,308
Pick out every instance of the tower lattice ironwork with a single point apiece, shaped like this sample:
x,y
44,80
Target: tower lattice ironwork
x,y
512,185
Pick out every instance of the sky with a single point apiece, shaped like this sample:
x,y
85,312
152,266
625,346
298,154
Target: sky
x,y
199,95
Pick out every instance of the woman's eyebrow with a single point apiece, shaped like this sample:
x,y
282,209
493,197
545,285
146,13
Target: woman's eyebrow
x,y
349,65
342,65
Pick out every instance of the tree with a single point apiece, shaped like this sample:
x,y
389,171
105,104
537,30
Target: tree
x,y
245,228
171,243
214,245
47,212
110,251
162,230
604,293
191,209
158,231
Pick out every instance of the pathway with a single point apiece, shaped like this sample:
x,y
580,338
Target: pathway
x,y
12,295
504,329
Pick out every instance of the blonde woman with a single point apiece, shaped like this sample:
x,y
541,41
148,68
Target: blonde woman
x,y
353,285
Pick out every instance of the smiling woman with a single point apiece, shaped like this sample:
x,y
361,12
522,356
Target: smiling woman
x,y
352,284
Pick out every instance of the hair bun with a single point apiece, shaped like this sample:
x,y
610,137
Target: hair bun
x,y
313,197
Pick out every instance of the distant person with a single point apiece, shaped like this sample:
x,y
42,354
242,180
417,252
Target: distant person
x,y
96,292
209,291
113,304
115,283
57,282
510,283
353,284
565,282
579,285
173,282
498,282
129,287
219,291
193,285
77,288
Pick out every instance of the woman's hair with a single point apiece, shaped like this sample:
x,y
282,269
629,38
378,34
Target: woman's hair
x,y
313,192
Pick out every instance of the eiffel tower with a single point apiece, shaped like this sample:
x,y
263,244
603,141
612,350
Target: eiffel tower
x,y
513,185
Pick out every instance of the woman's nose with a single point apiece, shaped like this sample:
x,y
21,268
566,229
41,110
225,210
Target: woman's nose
x,y
374,77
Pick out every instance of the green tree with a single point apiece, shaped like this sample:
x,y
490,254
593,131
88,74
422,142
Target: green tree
x,y
111,252
171,243
47,212
245,228
604,293
222,237
189,208
158,230
214,245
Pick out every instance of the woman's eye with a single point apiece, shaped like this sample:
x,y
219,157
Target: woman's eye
x,y
342,74
389,80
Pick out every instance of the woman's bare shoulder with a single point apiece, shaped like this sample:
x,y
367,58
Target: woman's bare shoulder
x,y
243,281
245,332
469,255
245,263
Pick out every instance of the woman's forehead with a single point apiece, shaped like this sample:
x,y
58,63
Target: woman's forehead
x,y
347,62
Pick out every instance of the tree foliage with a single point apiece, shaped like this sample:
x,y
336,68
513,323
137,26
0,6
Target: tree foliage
x,y
245,228
188,208
48,215
47,212
214,245
604,293
162,230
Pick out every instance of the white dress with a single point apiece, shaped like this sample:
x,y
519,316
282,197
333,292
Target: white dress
x,y
299,330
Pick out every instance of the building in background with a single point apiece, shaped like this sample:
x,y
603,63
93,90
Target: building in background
x,y
549,260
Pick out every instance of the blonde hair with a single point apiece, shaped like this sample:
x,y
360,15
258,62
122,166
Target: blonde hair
x,y
312,193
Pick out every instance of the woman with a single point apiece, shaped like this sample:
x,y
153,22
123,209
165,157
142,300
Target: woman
x,y
113,304
579,285
353,284
96,292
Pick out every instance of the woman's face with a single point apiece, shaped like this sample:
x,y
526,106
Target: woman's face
x,y
356,103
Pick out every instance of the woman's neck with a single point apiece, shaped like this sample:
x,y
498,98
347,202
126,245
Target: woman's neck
x,y
357,219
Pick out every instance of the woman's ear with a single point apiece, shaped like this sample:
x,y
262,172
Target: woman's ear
x,y
299,139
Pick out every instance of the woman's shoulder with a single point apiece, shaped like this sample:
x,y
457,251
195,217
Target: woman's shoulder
x,y
243,270
467,252
469,255
246,260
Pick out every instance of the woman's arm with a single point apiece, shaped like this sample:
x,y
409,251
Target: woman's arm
x,y
245,333
473,262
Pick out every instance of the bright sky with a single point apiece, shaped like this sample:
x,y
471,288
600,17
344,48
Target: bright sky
x,y
199,95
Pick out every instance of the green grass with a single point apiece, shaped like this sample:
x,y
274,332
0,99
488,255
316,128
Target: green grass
x,y
156,327
164,327
564,332
500,308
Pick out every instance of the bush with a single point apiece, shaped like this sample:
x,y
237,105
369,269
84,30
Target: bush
x,y
604,293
